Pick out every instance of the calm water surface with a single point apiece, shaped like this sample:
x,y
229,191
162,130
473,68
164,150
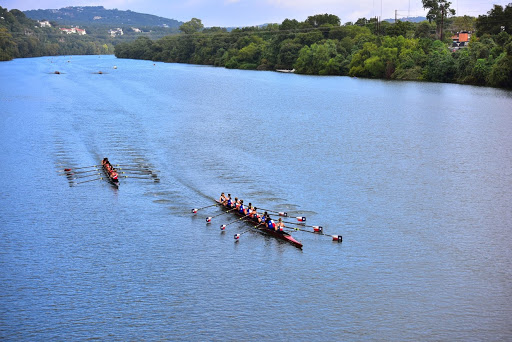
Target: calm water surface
x,y
417,177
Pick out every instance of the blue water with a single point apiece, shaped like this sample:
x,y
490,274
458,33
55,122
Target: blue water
x,y
416,177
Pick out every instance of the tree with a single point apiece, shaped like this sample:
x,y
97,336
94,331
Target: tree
x,y
440,64
323,19
192,26
423,30
464,23
438,10
496,20
289,25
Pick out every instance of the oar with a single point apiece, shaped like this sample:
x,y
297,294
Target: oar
x,y
90,180
280,213
120,166
140,170
94,174
209,218
237,236
69,173
77,168
285,214
138,173
208,206
338,238
305,225
155,179
222,227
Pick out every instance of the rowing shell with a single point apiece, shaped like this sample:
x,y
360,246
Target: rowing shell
x,y
113,181
279,235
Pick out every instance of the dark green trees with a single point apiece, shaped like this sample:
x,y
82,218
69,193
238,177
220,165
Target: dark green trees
x,y
192,26
320,46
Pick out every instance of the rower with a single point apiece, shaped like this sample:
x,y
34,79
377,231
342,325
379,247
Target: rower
x,y
226,198
251,211
263,218
280,225
222,198
248,210
270,223
237,203
241,208
229,201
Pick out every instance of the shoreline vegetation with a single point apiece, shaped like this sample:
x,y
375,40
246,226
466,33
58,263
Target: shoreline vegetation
x,y
320,45
368,48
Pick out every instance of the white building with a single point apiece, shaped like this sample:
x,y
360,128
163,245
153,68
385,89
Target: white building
x,y
45,23
116,32
72,30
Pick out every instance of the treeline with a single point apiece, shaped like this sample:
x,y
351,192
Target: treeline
x,y
23,37
368,48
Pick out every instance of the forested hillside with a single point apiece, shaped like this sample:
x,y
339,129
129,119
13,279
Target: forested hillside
x,y
98,15
321,46
24,37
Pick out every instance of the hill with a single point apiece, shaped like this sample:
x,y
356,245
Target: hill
x,y
98,15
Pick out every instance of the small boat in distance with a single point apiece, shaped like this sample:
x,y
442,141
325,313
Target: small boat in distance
x,y
286,70
110,172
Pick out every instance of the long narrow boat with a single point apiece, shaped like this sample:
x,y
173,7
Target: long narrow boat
x,y
253,221
111,176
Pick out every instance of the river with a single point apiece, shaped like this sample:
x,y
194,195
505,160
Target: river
x,y
416,177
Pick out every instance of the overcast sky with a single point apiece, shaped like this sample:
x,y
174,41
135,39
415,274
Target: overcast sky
x,y
228,13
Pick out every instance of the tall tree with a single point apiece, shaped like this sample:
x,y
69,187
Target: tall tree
x,y
438,10
496,20
192,26
323,19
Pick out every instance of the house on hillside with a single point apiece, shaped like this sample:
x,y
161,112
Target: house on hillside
x,y
45,23
72,30
460,40
116,32
66,30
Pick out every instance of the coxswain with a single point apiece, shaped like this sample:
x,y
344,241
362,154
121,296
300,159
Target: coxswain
x,y
279,225
222,198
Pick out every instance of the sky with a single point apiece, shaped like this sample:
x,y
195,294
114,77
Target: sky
x,y
230,13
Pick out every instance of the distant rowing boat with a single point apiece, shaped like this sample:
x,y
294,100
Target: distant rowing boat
x,y
111,175
277,234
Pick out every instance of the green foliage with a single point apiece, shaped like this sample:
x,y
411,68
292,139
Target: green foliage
x,y
501,72
438,11
322,20
464,23
192,26
23,37
319,59
496,20
328,49
440,64
88,16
